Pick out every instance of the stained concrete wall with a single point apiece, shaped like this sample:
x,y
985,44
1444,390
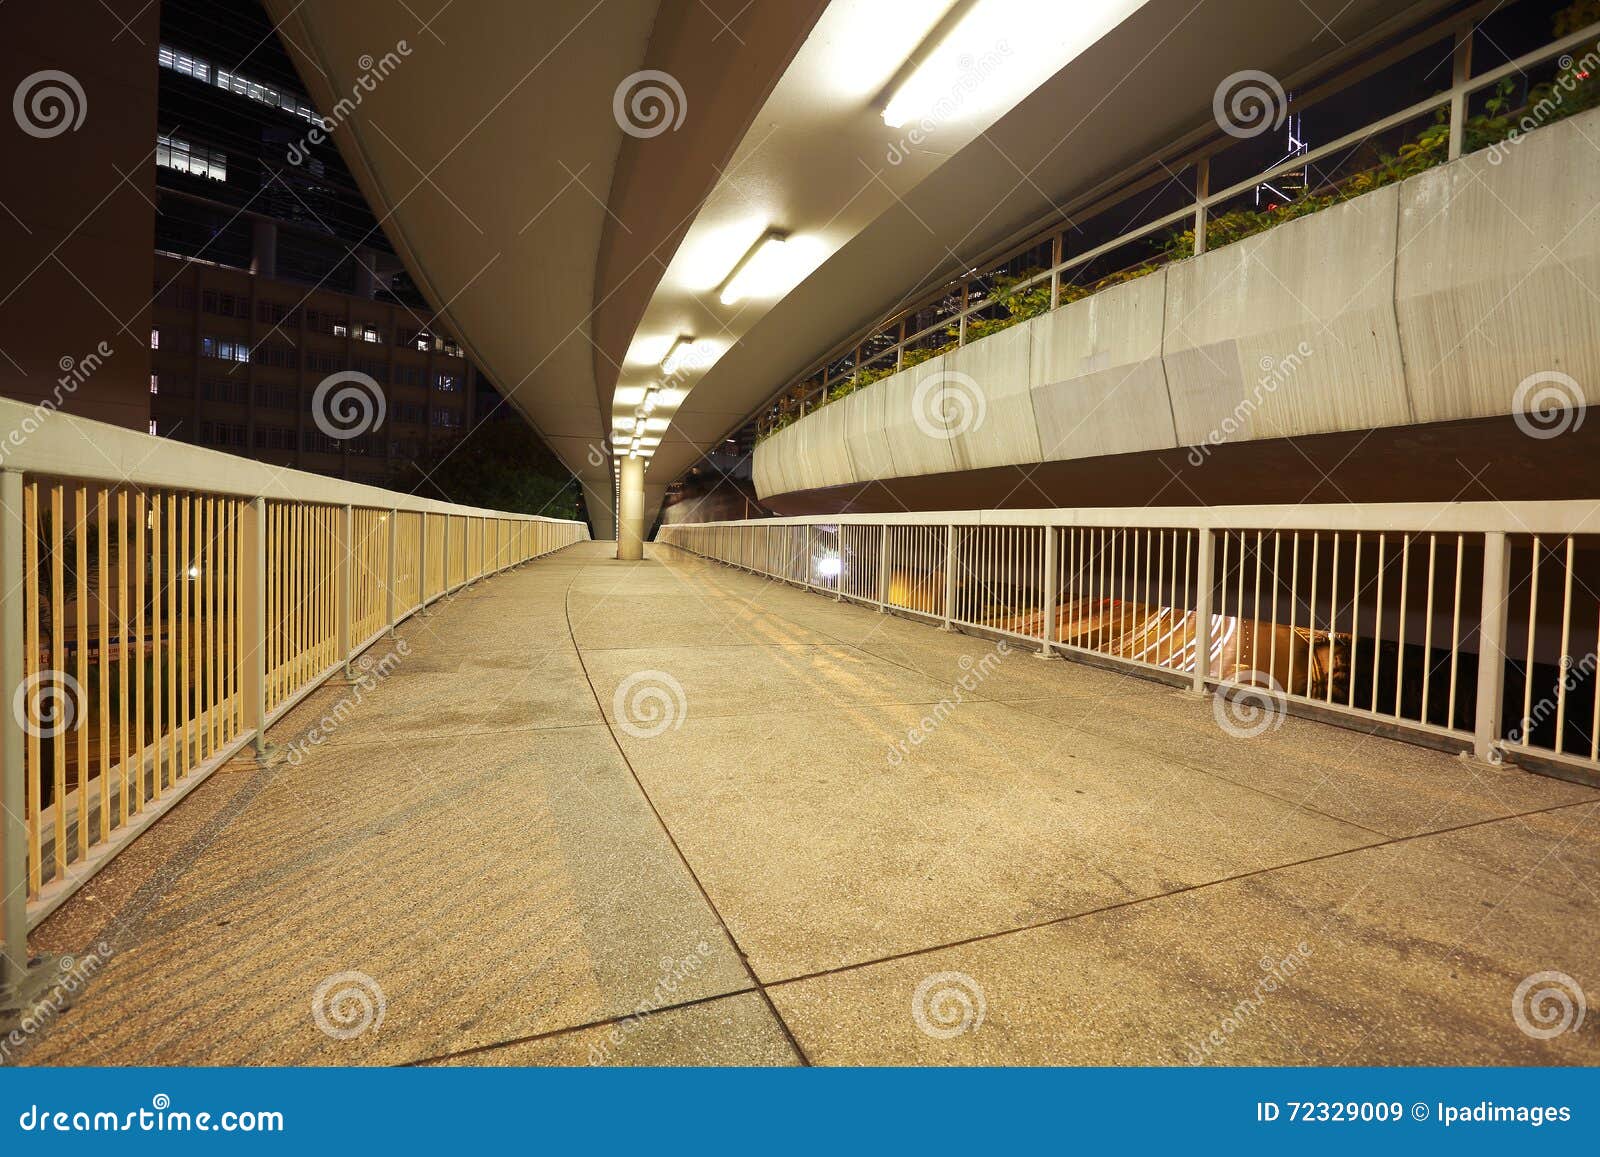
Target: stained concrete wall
x,y
1427,301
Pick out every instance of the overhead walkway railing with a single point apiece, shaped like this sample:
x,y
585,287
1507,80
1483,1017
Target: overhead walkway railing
x,y
161,605
1469,626
1175,205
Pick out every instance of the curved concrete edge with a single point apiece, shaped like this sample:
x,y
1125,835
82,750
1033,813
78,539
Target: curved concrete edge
x,y
1432,300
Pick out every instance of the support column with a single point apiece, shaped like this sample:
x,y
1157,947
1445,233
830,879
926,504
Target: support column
x,y
630,513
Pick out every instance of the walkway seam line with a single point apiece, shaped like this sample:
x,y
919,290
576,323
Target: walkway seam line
x,y
744,959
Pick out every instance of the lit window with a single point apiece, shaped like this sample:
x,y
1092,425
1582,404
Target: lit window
x,y
152,425
155,339
197,160
155,384
340,329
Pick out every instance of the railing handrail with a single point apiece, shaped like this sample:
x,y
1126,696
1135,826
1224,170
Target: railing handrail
x,y
65,445
1126,183
1565,516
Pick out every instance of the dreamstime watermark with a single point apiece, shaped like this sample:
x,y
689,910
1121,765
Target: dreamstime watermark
x,y
649,703
649,103
1548,404
1548,1004
47,703
74,974
371,672
160,1117
1252,709
948,404
372,73
1572,76
948,1004
347,405
974,72
972,678
1249,103
674,972
74,372
1572,675
49,103
348,1004
1275,372
1278,972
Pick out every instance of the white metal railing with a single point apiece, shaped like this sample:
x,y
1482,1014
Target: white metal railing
x,y
161,605
881,347
1473,626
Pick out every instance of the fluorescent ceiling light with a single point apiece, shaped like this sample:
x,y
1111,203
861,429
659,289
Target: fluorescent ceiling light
x,y
762,272
649,349
987,55
688,354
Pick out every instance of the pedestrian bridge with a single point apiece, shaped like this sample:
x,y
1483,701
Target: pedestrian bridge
x,y
590,811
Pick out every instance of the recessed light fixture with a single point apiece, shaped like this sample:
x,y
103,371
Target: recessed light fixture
x,y
761,272
688,354
1013,45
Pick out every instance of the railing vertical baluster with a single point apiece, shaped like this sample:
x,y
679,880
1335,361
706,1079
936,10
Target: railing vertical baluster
x,y
1495,615
1202,191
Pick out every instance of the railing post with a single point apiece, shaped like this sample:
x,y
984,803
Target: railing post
x,y
883,569
1202,190
1055,271
950,555
394,570
422,566
1460,73
1489,722
1047,608
344,561
14,870
1202,607
256,627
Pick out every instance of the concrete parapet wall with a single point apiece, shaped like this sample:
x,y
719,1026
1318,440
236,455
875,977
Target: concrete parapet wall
x,y
1428,301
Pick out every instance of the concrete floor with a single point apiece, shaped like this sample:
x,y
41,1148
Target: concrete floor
x,y
1085,858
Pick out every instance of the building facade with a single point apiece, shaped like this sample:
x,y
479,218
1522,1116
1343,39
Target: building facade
x,y
237,358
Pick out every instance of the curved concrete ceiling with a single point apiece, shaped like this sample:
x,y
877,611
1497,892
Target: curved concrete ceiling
x,y
556,245
490,151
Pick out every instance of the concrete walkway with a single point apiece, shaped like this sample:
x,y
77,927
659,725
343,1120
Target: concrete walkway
x,y
762,855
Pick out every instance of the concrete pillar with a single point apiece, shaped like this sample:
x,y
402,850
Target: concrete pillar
x,y
630,516
264,248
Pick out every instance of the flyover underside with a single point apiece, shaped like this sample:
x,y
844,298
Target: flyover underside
x,y
1481,459
817,817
